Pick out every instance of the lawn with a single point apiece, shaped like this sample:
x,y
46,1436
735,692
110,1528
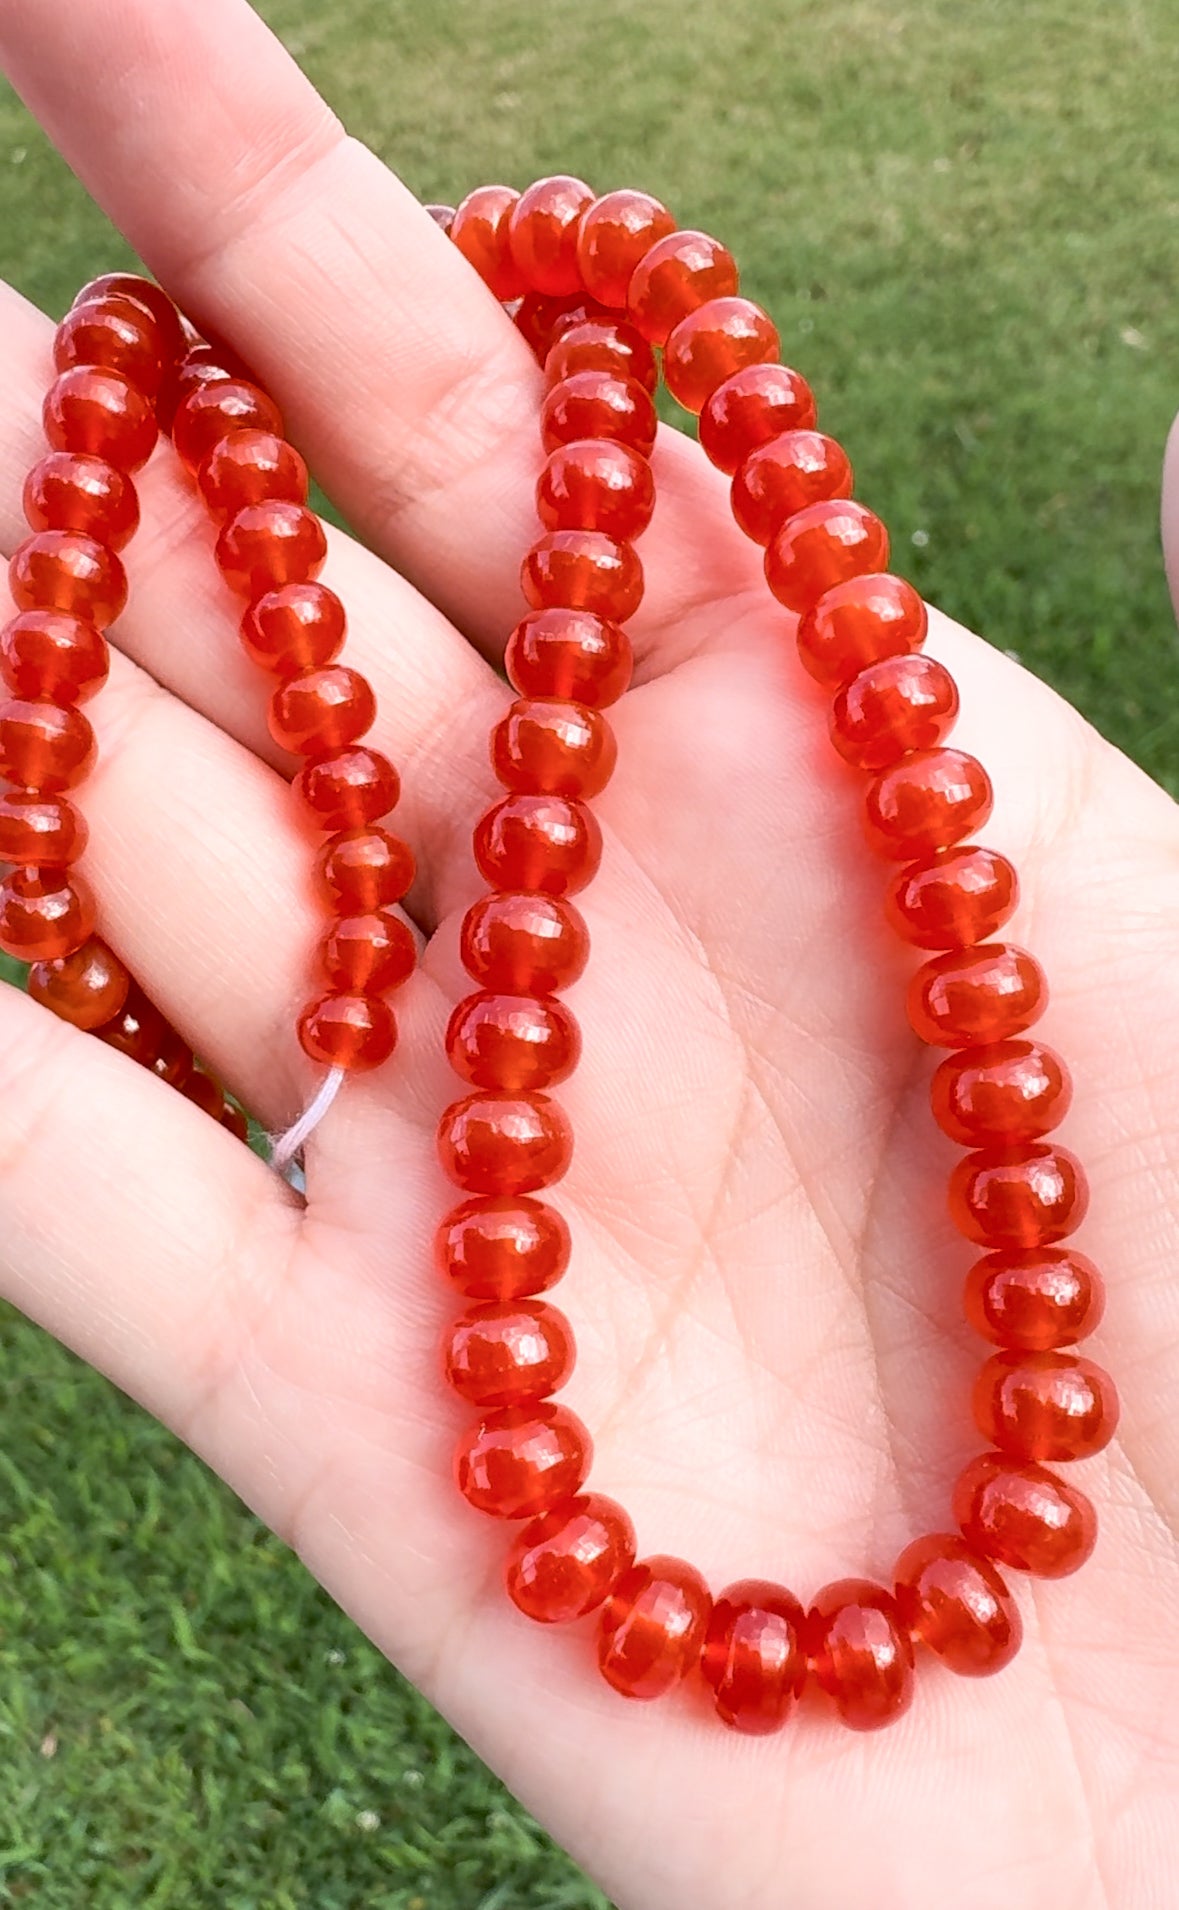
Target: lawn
x,y
966,221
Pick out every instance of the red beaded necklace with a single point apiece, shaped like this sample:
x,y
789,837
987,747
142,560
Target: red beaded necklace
x,y
595,285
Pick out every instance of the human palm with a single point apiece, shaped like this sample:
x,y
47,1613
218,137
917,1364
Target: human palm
x,y
765,1283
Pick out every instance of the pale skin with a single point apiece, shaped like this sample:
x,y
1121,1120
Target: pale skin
x,y
765,1283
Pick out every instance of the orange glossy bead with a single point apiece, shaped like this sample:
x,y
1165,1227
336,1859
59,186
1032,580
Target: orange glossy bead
x,y
196,368
357,1032
270,544
130,288
860,1652
1001,1094
900,704
754,1658
821,546
583,570
720,337
955,1602
69,491
570,654
952,898
44,914
524,944
48,747
348,788
614,235
1036,1298
596,404
100,412
755,404
596,484
857,623
1024,1516
213,409
512,1043
653,1626
119,334
542,320
502,1248
677,274
321,710
362,869
1021,1196
40,831
928,800
567,1562
508,1353
369,953
67,570
1049,1405
479,227
250,467
139,1030
603,345
543,233
544,747
173,1061
504,1144
552,844
47,655
86,988
783,477
297,628
973,996
523,1461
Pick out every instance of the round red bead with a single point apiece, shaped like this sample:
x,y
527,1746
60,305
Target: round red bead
x,y
1045,1405
571,654
523,1461
861,1652
49,655
86,988
348,788
602,344
508,1353
614,235
955,1602
674,276
1024,1516
502,1248
754,1657
894,706
129,289
71,491
1026,1196
543,747
297,628
783,477
44,746
321,710
952,898
972,996
543,233
357,1032
100,412
40,831
524,944
211,411
504,1144
479,228
70,571
250,466
857,623
369,953
270,544
567,1562
45,914
653,1626
1001,1094
821,546
720,337
362,869
548,843
512,1043
138,1031
598,404
120,334
928,800
1034,1297
543,320
596,484
583,570
752,406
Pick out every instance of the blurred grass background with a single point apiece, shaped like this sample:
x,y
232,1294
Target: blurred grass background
x,y
966,222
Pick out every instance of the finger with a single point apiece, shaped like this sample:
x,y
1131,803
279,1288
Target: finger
x,y
413,395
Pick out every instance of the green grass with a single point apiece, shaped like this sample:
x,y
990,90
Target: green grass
x,y
966,221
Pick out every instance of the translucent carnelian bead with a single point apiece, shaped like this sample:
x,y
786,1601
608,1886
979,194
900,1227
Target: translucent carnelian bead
x,y
596,484
479,228
524,944
782,477
348,788
67,570
44,746
270,544
928,800
543,232
653,1626
362,869
1027,1196
129,287
752,406
583,570
321,710
1036,1298
543,747
955,1602
49,655
173,1061
87,409
357,1032
523,1461
597,404
892,707
720,337
502,1248
570,654
678,273
139,1030
1045,1405
542,320
1003,1093
512,1043
70,491
754,1659
602,344
567,1562
614,234
297,628
86,988
858,622
952,898
821,546
119,334
552,844
44,914
40,831
197,368
248,467
1024,1516
861,1652
211,411
504,1144
368,954
508,1353
973,996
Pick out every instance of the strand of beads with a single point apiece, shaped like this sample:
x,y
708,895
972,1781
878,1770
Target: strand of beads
x,y
600,282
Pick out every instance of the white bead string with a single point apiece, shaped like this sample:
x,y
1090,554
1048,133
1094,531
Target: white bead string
x,y
285,1147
